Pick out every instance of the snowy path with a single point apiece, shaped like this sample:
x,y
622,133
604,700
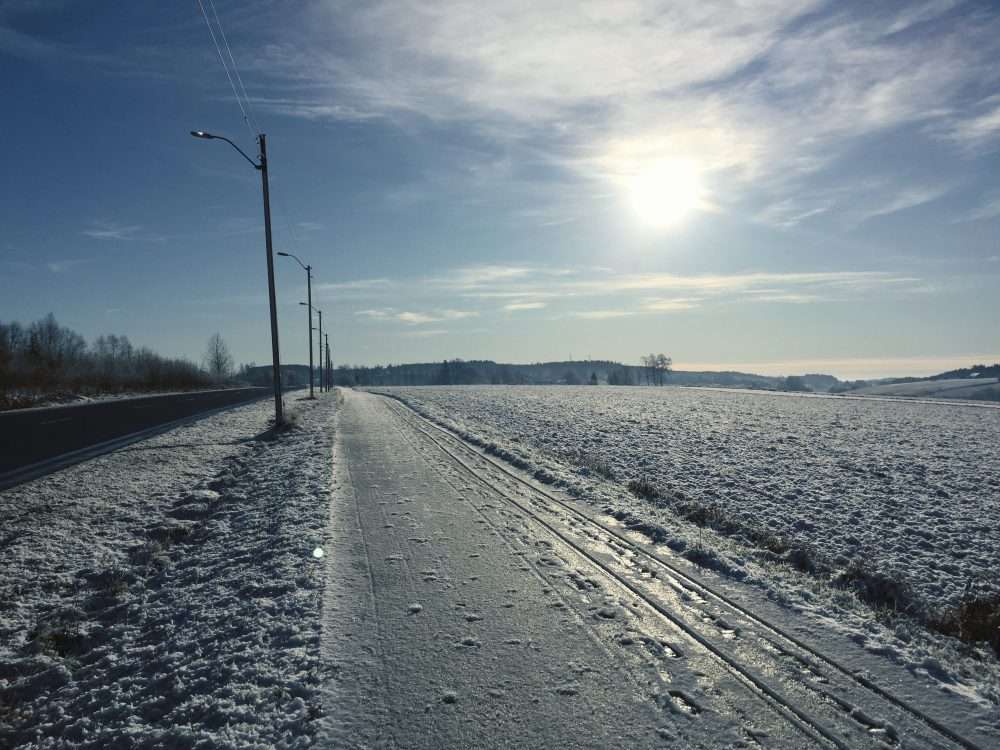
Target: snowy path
x,y
465,608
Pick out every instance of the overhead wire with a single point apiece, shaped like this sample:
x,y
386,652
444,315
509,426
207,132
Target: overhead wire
x,y
236,69
246,108
225,67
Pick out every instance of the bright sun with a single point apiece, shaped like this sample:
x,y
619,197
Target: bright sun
x,y
665,192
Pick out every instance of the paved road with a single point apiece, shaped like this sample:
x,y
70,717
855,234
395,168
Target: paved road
x,y
28,436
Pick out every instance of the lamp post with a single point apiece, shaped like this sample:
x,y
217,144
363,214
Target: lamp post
x,y
309,304
311,329
320,342
329,363
279,416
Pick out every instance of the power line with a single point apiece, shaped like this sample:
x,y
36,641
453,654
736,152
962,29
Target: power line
x,y
236,69
225,67
285,216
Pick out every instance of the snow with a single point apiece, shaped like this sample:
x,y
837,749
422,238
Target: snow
x,y
167,594
199,589
953,388
900,485
908,489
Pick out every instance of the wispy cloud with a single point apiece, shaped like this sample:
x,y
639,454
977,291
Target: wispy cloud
x,y
989,208
980,130
789,298
475,276
107,230
602,314
416,318
905,199
918,13
426,332
658,292
671,305
357,285
379,313
764,93
64,266
36,47
513,306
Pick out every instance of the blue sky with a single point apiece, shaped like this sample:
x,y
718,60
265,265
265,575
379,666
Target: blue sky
x,y
776,186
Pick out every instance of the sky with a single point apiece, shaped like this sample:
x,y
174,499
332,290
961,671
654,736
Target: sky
x,y
777,187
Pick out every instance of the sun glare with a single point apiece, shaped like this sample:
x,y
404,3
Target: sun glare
x,y
665,192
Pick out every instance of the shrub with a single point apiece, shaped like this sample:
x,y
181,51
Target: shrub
x,y
59,638
595,464
976,620
886,591
643,488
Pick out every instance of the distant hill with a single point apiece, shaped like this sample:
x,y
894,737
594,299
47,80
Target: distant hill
x,y
976,371
979,382
573,372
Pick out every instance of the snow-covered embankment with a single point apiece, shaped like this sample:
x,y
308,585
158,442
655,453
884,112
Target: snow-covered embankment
x,y
167,593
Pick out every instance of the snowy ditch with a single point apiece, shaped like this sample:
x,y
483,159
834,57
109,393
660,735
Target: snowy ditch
x,y
820,501
168,594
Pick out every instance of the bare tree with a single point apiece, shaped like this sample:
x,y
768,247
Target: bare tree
x,y
656,367
662,366
218,360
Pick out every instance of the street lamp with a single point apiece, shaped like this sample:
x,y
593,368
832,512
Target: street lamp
x,y
329,363
279,416
320,342
309,304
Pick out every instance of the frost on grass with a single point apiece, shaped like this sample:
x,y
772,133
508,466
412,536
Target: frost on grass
x,y
166,595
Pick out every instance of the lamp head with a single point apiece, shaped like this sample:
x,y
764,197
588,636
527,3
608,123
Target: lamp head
x,y
202,134
284,255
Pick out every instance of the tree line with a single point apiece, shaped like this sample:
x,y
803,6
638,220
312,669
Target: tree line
x,y
45,357
487,372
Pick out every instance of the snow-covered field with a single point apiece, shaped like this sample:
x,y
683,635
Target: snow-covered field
x,y
963,388
166,595
908,489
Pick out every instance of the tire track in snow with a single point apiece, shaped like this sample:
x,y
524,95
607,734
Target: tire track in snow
x,y
913,724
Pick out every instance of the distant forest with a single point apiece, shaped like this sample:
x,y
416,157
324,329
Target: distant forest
x,y
976,371
587,372
44,358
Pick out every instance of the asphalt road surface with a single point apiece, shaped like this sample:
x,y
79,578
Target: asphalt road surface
x,y
28,436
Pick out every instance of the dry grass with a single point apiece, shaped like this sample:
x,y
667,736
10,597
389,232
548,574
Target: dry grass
x,y
643,488
594,464
975,620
